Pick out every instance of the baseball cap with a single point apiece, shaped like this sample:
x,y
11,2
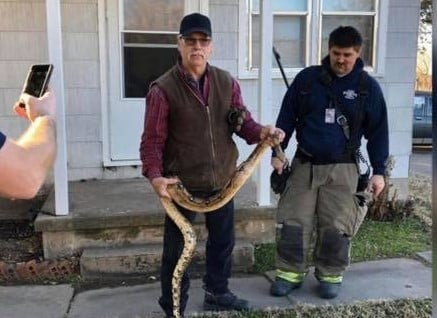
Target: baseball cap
x,y
195,22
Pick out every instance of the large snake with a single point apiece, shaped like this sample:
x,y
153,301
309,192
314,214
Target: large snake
x,y
183,198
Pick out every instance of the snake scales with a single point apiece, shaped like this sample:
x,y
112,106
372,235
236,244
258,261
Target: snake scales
x,y
183,198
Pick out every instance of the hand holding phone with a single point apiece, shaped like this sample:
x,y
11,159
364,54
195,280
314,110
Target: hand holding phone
x,y
37,80
37,106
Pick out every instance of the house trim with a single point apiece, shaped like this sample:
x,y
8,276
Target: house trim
x,y
54,39
102,16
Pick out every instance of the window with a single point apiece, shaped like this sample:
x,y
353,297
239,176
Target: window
x,y
361,14
148,31
289,32
301,29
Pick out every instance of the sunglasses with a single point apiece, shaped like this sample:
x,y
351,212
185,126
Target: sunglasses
x,y
192,41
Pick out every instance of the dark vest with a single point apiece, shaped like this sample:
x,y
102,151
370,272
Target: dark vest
x,y
199,148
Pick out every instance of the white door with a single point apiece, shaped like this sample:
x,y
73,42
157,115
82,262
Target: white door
x,y
141,44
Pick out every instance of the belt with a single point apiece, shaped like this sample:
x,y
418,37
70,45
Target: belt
x,y
305,157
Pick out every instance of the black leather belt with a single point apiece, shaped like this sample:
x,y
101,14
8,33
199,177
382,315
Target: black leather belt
x,y
304,157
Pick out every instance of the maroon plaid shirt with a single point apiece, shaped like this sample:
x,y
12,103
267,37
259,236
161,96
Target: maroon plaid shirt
x,y
156,121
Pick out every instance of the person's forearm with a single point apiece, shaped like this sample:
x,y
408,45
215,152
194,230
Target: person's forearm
x,y
40,140
39,145
25,163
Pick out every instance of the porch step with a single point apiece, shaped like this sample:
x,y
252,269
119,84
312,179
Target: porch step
x,y
122,213
144,261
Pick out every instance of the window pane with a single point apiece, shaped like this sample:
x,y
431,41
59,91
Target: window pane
x,y
364,24
283,5
151,15
144,65
349,5
288,38
419,106
418,110
428,106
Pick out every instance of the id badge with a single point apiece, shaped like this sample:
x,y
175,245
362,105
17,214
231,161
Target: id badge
x,y
330,115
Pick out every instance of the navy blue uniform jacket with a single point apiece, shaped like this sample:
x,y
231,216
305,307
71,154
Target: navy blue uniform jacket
x,y
326,141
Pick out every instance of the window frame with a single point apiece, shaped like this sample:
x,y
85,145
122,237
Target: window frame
x,y
313,39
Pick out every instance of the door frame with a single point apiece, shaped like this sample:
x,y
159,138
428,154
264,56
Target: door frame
x,y
105,11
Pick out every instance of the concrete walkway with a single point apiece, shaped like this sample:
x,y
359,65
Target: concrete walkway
x,y
385,279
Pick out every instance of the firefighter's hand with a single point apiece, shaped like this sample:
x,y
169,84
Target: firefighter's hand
x,y
376,185
277,164
273,135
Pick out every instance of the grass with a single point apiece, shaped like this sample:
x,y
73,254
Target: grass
x,y
375,240
403,308
402,238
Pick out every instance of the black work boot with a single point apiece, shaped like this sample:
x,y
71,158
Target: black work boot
x,y
226,301
329,290
281,287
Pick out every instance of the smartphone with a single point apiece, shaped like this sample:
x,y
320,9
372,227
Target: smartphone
x,y
37,80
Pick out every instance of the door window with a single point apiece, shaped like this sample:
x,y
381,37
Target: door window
x,y
148,31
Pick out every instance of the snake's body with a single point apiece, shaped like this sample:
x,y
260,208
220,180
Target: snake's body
x,y
187,253
183,198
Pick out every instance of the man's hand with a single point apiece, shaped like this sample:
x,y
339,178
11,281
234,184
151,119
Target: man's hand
x,y
273,135
36,107
277,164
376,185
160,186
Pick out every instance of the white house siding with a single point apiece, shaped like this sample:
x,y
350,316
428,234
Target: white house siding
x,y
399,80
23,42
82,86
224,19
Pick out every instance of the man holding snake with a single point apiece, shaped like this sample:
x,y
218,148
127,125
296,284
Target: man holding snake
x,y
192,112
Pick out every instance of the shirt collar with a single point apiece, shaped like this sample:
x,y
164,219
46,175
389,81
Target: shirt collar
x,y
187,76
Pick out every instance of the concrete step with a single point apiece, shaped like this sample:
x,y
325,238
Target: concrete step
x,y
145,261
114,213
256,225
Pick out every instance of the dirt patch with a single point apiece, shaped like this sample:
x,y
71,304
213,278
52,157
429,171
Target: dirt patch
x,y
15,250
21,248
420,187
